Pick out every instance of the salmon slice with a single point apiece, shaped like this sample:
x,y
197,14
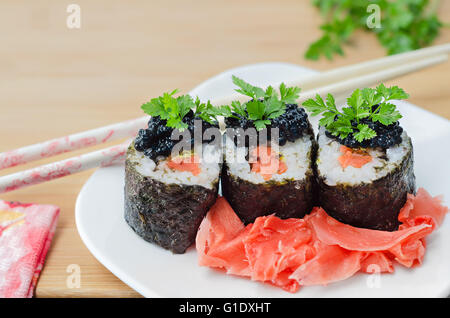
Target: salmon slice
x,y
353,157
267,162
185,163
316,250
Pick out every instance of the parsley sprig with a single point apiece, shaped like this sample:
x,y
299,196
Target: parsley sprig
x,y
359,106
405,25
209,112
264,104
173,109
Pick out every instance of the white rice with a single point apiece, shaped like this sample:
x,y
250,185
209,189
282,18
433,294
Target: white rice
x,y
296,155
329,167
210,165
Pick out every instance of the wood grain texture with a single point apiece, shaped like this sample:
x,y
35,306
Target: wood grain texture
x,y
57,81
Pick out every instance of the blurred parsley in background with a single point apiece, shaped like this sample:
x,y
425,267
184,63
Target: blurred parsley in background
x,y
405,25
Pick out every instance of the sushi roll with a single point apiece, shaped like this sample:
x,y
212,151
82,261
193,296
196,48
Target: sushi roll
x,y
274,174
169,191
364,160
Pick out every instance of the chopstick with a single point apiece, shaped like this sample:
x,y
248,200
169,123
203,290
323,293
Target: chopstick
x,y
71,142
347,72
99,158
382,69
373,78
336,81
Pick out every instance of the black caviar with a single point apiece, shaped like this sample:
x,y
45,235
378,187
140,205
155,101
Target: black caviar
x,y
156,141
387,136
292,124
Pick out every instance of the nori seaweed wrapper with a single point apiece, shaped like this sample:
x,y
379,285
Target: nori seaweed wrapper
x,y
166,214
373,205
287,199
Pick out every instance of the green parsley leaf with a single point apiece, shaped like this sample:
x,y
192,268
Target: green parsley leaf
x,y
342,127
185,103
327,119
223,110
265,104
247,89
261,124
255,110
365,132
238,108
386,114
395,92
173,109
153,107
274,107
371,96
289,95
359,105
316,106
209,113
170,108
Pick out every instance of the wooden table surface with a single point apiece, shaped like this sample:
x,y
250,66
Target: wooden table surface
x,y
57,81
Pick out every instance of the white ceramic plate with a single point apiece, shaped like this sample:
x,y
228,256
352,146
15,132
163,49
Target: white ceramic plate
x,y
155,272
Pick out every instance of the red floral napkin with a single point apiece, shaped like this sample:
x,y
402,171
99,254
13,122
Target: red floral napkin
x,y
26,231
